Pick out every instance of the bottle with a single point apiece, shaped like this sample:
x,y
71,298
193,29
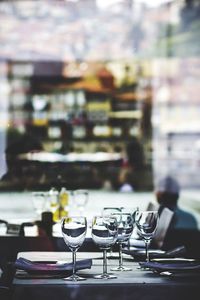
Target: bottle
x,y
63,203
54,203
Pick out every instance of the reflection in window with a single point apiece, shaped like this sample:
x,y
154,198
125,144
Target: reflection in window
x,y
92,77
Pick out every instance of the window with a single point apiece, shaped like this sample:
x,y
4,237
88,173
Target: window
x,y
97,91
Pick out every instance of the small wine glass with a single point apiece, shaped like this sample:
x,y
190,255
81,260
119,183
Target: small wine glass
x,y
74,231
125,228
146,222
104,234
39,201
81,199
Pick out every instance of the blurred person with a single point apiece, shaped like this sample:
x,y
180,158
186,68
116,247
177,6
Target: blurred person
x,y
182,229
167,194
177,228
131,175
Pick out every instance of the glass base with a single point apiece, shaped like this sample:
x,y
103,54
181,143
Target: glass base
x,y
122,269
74,278
105,276
113,255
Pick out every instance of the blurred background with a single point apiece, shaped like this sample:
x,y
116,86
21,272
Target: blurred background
x,y
99,94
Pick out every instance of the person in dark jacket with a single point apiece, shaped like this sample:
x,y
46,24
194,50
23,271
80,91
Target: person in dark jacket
x,y
183,228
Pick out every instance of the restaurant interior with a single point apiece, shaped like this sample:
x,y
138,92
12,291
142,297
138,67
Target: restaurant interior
x,y
99,109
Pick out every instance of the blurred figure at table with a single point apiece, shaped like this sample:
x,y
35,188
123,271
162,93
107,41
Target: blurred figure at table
x,y
167,195
182,228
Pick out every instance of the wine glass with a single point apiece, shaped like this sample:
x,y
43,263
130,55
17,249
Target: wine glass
x,y
104,234
39,201
125,228
81,199
74,230
146,222
109,211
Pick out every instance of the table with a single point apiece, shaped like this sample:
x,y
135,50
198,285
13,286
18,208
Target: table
x,y
136,284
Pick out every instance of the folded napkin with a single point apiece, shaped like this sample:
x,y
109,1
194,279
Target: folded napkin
x,y
183,265
139,253
32,267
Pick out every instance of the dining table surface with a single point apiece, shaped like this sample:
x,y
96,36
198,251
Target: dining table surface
x,y
137,284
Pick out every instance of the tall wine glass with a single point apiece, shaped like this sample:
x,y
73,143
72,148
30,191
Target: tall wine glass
x,y
74,230
104,234
146,222
125,228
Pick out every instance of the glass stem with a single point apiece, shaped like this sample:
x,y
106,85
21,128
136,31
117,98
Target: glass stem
x,y
120,256
104,261
147,250
74,262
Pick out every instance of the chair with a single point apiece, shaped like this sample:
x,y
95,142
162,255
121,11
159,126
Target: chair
x,y
4,293
163,226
